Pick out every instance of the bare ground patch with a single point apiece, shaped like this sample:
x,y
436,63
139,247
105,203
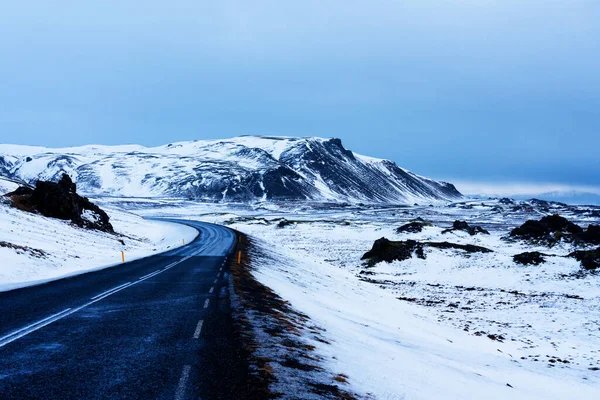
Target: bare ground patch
x,y
273,335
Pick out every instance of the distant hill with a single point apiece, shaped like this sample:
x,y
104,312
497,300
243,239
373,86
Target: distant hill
x,y
241,169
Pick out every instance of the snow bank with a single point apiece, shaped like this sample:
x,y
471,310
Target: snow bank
x,y
390,350
7,186
38,249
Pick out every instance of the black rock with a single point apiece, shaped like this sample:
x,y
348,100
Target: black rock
x,y
20,191
549,230
591,235
469,248
387,250
60,200
412,227
465,227
590,259
529,258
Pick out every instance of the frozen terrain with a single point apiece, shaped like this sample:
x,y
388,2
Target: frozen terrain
x,y
35,249
453,326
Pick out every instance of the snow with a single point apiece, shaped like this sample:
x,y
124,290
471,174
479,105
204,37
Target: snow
x,y
69,250
7,186
402,349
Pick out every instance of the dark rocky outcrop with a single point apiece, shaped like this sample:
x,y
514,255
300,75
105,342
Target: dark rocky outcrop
x,y
553,228
387,250
465,227
590,259
414,226
529,258
591,235
60,200
549,230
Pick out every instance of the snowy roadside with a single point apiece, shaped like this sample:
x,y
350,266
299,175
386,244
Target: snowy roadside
x,y
390,349
35,249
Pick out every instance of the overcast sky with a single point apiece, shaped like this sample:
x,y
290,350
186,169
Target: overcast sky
x,y
468,90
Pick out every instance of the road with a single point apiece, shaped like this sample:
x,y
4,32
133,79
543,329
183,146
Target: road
x,y
156,328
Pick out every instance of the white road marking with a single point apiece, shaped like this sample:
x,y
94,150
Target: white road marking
x,y
212,289
185,374
206,303
111,290
39,323
198,329
11,337
216,280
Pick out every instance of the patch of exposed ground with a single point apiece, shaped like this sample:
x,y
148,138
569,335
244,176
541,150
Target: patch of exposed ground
x,y
282,364
24,249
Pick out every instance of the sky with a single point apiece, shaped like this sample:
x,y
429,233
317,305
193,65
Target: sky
x,y
481,92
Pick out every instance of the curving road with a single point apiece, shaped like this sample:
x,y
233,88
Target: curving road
x,y
156,328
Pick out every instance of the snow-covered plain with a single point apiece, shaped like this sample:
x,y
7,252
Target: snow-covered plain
x,y
38,249
451,326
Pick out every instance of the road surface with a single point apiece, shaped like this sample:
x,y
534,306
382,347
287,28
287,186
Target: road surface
x,y
156,328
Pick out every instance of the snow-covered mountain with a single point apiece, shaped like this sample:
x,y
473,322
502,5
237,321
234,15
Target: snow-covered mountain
x,y
244,168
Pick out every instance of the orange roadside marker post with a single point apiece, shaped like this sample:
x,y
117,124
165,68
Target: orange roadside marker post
x,y
239,257
122,256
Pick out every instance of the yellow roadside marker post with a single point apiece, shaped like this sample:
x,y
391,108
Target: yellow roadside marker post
x,y
239,257
122,256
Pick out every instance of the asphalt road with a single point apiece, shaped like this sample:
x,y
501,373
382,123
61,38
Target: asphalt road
x,y
157,328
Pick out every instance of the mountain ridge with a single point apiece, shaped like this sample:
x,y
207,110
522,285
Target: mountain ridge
x,y
240,169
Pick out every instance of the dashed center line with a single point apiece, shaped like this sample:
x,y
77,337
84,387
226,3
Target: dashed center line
x,y
206,303
185,374
198,329
212,289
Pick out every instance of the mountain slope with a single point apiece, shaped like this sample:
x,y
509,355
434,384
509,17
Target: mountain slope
x,y
245,168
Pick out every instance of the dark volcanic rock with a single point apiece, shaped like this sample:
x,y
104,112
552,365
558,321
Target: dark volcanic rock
x,y
591,235
60,200
549,230
465,227
20,191
415,226
387,250
469,248
590,259
529,258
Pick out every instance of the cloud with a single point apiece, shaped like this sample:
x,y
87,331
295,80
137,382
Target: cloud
x,y
518,189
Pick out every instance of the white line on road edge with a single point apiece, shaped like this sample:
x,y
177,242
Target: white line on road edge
x,y
212,289
11,337
206,303
185,374
198,329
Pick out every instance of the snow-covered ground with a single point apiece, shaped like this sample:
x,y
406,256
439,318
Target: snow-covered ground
x,y
451,326
35,249
7,185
